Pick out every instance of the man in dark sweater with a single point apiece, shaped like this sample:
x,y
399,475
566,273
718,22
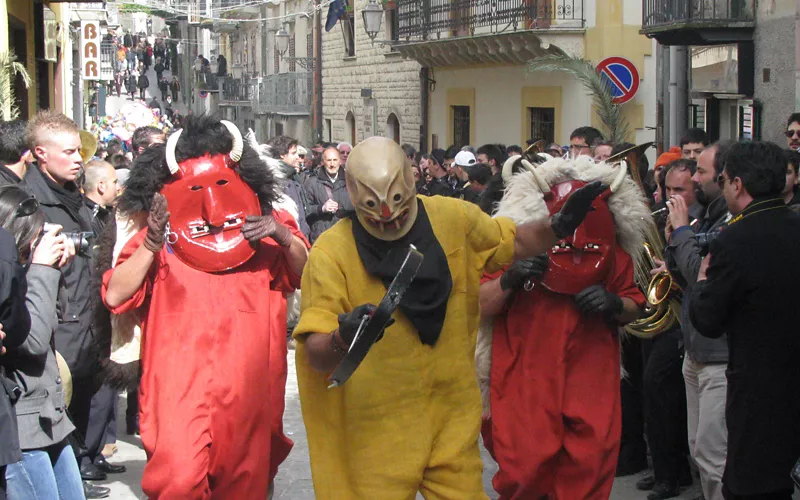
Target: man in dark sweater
x,y
744,290
14,153
328,200
285,148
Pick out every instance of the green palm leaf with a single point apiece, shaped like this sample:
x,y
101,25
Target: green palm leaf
x,y
10,67
616,128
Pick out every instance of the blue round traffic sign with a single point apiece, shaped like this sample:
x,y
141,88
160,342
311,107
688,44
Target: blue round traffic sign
x,y
623,77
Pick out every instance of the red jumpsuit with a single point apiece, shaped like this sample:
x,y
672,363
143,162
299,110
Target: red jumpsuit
x,y
213,373
556,417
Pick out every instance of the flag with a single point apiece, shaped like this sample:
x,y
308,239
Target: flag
x,y
335,11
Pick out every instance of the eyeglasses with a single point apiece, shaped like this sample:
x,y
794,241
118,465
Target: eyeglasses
x,y
554,152
578,147
27,207
721,180
792,133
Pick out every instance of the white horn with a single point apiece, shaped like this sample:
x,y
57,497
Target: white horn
x,y
623,169
508,167
172,162
238,143
544,187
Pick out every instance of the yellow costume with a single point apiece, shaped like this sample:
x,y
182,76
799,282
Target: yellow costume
x,y
409,417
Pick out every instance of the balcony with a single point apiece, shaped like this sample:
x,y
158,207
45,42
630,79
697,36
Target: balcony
x,y
236,91
698,22
208,81
285,94
460,32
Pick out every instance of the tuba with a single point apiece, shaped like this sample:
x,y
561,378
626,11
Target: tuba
x,y
663,294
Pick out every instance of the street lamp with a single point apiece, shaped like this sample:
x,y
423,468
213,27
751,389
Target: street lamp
x,y
282,41
373,16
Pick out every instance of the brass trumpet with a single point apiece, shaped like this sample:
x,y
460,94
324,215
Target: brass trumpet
x,y
662,292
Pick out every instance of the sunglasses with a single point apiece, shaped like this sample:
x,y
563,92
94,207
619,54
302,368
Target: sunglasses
x,y
792,133
302,157
27,207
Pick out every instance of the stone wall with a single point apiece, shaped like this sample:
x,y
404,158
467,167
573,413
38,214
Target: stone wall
x,y
393,80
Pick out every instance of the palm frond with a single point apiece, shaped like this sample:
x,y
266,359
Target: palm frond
x,y
616,128
10,67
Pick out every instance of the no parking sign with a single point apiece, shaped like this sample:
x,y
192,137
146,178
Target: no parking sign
x,y
623,77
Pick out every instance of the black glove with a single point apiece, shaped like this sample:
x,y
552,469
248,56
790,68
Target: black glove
x,y
567,220
596,299
349,322
522,270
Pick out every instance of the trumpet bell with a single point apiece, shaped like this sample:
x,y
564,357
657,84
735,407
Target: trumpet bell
x,y
88,145
659,288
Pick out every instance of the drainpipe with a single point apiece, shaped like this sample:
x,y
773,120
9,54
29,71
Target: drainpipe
x,y
318,74
678,93
424,104
663,57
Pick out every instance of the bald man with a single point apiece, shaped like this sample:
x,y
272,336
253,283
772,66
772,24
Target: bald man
x,y
100,186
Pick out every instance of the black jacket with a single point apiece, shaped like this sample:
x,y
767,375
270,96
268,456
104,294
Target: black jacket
x,y
143,81
7,176
16,325
682,256
127,40
294,190
750,295
316,187
74,337
441,187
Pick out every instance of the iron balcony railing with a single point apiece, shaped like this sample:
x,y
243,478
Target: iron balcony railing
x,y
108,60
702,13
285,93
236,90
208,81
428,20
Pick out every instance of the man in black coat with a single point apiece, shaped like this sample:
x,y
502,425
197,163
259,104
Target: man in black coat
x,y
745,289
55,143
328,200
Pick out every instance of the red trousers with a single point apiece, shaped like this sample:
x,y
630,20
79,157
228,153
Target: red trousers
x,y
556,416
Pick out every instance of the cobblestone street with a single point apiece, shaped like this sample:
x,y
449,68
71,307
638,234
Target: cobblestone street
x,y
294,479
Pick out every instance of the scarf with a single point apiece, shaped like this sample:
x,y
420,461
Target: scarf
x,y
425,301
68,194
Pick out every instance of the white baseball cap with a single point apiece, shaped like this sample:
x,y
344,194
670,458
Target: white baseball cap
x,y
465,159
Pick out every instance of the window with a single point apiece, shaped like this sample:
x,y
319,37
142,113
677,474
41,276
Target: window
x,y
349,32
351,127
697,114
278,128
393,128
392,21
328,129
542,124
461,125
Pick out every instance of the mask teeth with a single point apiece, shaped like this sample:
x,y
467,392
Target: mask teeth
x,y
232,222
382,226
397,224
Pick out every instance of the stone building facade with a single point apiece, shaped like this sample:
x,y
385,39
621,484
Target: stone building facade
x,y
393,110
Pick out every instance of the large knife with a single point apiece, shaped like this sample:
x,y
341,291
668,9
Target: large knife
x,y
371,327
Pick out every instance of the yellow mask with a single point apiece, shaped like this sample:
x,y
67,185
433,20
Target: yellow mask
x,y
380,182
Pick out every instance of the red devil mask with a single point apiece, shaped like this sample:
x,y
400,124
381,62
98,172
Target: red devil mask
x,y
208,203
584,258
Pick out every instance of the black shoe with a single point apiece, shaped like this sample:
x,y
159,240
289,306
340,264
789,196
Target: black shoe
x,y
662,490
132,425
90,472
104,466
630,467
92,491
646,483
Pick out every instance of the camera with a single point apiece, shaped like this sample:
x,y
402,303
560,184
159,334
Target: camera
x,y
81,240
704,241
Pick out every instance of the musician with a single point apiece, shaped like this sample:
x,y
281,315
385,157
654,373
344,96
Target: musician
x,y
744,292
705,359
408,419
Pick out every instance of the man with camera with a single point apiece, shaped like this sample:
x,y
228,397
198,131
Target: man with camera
x,y
705,359
745,288
55,143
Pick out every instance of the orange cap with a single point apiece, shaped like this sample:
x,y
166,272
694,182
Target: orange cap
x,y
673,154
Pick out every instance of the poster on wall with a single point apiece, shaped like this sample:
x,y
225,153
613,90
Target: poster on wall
x,y
90,50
